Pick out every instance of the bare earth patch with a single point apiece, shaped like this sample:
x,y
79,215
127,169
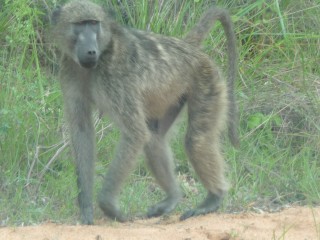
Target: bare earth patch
x,y
301,223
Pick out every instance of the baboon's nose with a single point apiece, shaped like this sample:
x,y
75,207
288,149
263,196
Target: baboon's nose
x,y
88,58
92,52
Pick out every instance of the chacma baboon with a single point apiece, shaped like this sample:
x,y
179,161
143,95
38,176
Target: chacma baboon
x,y
142,80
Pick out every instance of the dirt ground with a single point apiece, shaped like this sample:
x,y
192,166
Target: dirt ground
x,y
301,223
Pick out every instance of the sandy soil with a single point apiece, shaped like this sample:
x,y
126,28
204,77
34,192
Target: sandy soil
x,y
293,224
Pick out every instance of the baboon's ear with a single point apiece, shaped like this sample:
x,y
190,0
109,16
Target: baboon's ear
x,y
55,15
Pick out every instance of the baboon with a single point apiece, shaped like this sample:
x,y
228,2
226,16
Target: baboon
x,y
142,81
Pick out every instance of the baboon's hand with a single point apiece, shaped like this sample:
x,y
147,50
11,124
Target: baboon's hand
x,y
87,216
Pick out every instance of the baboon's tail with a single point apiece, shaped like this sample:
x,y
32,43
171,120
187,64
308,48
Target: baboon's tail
x,y
198,34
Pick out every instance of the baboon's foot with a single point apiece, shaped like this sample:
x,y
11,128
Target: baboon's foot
x,y
210,204
111,210
163,207
87,216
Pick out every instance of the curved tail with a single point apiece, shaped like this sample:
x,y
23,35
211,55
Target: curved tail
x,y
197,34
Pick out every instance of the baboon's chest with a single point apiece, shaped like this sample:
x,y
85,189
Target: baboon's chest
x,y
100,98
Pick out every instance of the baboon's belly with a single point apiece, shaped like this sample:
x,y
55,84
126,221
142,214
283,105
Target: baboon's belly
x,y
157,101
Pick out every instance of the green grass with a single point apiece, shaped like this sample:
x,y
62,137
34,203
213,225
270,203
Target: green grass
x,y
277,91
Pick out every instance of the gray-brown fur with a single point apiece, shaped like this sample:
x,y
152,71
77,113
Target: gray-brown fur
x,y
197,34
142,81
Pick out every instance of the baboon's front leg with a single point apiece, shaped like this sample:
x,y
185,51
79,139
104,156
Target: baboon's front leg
x,y
134,134
81,128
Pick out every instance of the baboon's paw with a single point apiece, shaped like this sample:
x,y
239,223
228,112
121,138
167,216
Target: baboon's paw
x,y
209,205
112,212
163,207
87,216
194,212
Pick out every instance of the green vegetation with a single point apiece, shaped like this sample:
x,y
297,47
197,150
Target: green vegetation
x,y
279,104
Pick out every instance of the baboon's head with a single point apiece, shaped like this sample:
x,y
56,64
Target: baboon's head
x,y
81,31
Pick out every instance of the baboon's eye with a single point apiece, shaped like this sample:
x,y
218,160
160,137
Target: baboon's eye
x,y
85,22
80,26
92,22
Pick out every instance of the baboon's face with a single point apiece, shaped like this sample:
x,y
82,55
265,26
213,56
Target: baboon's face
x,y
81,31
85,35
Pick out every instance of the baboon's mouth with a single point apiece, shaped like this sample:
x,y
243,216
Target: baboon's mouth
x,y
89,64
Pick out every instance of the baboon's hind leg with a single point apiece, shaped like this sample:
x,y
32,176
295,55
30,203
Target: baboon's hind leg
x,y
207,110
160,161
